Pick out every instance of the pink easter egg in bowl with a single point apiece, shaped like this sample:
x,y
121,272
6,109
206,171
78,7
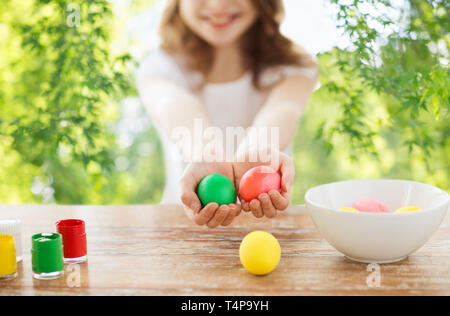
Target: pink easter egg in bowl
x,y
368,205
376,234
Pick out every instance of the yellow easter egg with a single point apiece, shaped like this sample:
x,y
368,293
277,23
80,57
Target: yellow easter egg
x,y
407,209
349,209
260,252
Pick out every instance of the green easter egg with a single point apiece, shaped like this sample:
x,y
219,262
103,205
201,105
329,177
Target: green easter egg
x,y
216,188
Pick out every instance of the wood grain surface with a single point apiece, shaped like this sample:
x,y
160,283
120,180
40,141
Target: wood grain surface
x,y
155,250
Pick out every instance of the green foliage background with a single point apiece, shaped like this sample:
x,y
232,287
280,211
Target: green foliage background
x,y
382,110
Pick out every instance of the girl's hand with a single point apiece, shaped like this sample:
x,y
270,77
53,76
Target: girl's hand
x,y
267,204
212,215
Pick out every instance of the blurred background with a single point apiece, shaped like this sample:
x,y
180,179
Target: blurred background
x,y
73,130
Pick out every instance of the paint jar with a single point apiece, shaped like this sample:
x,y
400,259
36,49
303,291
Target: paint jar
x,y
47,256
73,232
8,264
13,227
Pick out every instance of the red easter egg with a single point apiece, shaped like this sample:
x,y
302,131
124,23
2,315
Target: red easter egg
x,y
259,180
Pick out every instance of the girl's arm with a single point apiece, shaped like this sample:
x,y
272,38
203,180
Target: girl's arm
x,y
171,107
285,106
282,110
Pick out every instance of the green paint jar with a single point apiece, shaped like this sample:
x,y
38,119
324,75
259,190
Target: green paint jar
x,y
47,256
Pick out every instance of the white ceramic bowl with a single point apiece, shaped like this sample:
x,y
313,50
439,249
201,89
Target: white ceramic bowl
x,y
377,238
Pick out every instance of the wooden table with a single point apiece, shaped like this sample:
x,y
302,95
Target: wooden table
x,y
155,250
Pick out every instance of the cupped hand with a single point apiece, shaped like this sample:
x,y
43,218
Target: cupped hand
x,y
267,204
211,215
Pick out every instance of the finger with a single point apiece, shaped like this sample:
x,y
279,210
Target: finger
x,y
229,219
191,201
256,209
246,207
238,210
231,215
287,174
267,206
287,196
219,217
188,197
190,213
279,201
206,214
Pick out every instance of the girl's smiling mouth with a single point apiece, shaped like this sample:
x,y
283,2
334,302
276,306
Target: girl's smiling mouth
x,y
220,20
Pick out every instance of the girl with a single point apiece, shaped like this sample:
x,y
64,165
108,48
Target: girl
x,y
224,63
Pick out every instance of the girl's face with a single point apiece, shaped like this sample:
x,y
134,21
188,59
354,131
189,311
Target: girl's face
x,y
218,22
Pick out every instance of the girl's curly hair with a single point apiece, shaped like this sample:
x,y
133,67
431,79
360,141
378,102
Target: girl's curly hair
x,y
263,44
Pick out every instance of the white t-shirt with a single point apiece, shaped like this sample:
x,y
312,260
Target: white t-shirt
x,y
233,103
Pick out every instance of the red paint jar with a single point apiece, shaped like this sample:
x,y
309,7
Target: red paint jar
x,y
73,233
